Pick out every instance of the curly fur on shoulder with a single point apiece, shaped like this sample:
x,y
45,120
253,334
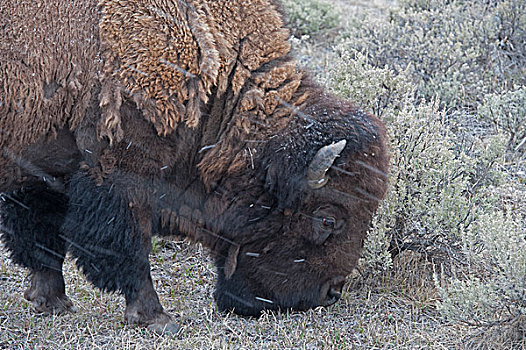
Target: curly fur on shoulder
x,y
169,56
164,54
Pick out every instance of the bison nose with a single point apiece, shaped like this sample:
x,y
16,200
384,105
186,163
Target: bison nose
x,y
331,292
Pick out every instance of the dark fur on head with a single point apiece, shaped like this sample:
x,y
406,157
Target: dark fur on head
x,y
286,258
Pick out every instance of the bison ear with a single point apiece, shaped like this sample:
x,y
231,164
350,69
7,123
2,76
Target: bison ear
x,y
231,261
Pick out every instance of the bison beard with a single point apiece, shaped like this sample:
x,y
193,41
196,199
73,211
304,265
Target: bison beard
x,y
197,123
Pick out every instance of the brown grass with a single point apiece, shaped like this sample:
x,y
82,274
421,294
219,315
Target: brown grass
x,y
394,311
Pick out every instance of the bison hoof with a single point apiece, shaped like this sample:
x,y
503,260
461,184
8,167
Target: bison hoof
x,y
161,322
47,293
49,304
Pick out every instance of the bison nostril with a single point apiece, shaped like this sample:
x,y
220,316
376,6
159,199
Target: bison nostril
x,y
333,294
332,291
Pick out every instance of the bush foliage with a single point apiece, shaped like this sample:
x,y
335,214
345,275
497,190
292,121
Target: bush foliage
x,y
448,78
456,50
506,111
310,16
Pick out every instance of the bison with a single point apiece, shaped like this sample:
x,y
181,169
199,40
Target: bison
x,y
125,119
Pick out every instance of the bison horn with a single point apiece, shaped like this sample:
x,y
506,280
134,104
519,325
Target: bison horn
x,y
316,174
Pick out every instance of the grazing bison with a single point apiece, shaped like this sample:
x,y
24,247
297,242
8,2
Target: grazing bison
x,y
124,119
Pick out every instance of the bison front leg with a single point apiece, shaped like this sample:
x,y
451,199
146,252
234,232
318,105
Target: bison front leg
x,y
112,240
30,228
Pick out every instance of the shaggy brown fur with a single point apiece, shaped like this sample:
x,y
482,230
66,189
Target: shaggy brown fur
x,y
184,117
171,55
168,57
46,70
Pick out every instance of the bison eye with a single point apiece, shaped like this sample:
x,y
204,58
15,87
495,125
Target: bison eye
x,y
324,227
328,222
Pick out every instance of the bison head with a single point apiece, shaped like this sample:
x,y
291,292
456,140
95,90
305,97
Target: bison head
x,y
297,240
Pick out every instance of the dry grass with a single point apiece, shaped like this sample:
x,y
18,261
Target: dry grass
x,y
394,311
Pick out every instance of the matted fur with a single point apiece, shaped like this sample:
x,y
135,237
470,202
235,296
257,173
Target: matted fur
x,y
164,54
47,67
49,56
169,55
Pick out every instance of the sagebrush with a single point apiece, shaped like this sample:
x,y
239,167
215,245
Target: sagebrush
x,y
448,79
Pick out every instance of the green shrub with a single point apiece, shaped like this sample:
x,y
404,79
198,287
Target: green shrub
x,y
448,79
435,193
375,89
494,293
310,16
458,51
507,112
